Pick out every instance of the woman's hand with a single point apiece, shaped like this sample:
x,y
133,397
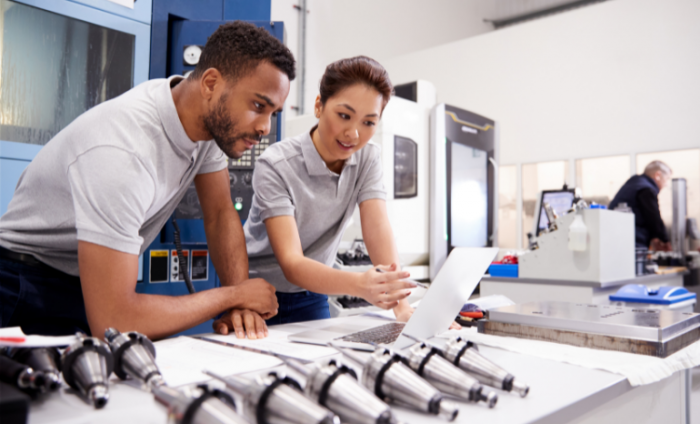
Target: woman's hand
x,y
386,289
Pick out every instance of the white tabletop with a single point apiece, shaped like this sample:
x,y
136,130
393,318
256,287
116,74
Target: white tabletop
x,y
558,392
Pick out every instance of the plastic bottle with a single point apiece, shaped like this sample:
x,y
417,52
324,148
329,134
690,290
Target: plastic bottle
x,y
578,234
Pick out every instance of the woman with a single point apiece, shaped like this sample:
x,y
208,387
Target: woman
x,y
306,189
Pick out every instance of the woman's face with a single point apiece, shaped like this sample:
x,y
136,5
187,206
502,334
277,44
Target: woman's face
x,y
347,121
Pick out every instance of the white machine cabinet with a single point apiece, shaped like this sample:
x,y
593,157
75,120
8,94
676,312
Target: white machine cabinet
x,y
609,255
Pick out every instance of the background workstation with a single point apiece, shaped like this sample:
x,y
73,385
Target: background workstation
x,y
584,96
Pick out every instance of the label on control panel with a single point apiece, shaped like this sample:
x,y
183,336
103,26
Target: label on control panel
x,y
159,266
200,265
176,268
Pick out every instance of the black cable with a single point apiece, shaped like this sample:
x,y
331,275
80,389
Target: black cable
x,y
181,258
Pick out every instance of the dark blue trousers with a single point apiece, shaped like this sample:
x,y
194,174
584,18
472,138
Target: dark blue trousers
x,y
302,306
41,300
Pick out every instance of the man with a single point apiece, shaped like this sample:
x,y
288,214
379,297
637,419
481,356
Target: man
x,y
641,194
99,192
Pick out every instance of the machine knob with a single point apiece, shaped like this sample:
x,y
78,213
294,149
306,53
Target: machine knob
x,y
248,179
191,55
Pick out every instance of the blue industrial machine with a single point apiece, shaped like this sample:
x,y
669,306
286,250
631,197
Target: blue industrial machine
x,y
69,55
54,68
180,30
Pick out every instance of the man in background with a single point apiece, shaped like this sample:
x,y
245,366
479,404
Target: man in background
x,y
641,194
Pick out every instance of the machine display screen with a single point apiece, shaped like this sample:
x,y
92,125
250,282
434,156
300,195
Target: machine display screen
x,y
468,212
560,201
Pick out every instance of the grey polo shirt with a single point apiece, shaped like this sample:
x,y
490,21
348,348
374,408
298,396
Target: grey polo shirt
x,y
291,179
112,177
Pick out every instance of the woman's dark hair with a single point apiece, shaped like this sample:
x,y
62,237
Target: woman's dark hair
x,y
355,70
236,48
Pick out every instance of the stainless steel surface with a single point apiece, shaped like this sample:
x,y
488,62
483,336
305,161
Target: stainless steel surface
x,y
344,395
679,188
426,361
284,404
212,411
86,366
134,356
467,357
389,378
637,330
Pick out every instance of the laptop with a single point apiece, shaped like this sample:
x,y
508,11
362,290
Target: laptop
x,y
449,291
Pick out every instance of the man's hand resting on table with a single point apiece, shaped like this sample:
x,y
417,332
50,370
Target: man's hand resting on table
x,y
243,322
259,302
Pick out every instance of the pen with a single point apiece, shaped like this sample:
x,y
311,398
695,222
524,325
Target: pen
x,y
425,286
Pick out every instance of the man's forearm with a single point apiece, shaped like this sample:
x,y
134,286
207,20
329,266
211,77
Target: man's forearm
x,y
159,316
227,247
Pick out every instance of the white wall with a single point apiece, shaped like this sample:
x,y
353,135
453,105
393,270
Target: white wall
x,y
618,77
380,29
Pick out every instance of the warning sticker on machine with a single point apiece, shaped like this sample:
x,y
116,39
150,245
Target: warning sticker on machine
x,y
200,265
159,266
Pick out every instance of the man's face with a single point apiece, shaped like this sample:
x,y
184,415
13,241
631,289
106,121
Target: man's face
x,y
239,113
662,179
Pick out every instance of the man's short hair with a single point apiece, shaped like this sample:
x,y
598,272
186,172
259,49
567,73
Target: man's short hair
x,y
657,165
236,48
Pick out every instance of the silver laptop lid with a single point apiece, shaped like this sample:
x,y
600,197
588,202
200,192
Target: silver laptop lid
x,y
448,292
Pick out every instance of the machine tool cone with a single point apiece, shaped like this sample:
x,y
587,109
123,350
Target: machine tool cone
x,y
44,359
200,405
272,399
20,375
335,386
465,355
134,356
389,378
427,362
86,366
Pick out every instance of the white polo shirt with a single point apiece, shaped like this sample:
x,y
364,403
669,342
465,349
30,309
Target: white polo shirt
x,y
292,179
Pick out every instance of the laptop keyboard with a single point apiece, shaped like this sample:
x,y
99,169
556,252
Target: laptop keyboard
x,y
383,334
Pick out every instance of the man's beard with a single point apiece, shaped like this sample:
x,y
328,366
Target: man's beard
x,y
223,129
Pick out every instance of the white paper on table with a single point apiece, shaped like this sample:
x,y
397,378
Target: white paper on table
x,y
491,302
33,340
181,360
125,3
277,342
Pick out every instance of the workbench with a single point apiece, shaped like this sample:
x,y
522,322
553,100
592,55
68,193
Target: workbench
x,y
559,392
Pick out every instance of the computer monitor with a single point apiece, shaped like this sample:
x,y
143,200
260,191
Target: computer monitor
x,y
560,201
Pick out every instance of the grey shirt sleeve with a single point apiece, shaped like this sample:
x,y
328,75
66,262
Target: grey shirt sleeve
x,y
372,184
112,191
271,192
214,161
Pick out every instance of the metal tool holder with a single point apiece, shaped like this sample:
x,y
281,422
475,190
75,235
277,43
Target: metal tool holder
x,y
134,356
21,376
335,386
387,375
274,399
87,365
198,405
44,359
428,362
637,330
465,355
